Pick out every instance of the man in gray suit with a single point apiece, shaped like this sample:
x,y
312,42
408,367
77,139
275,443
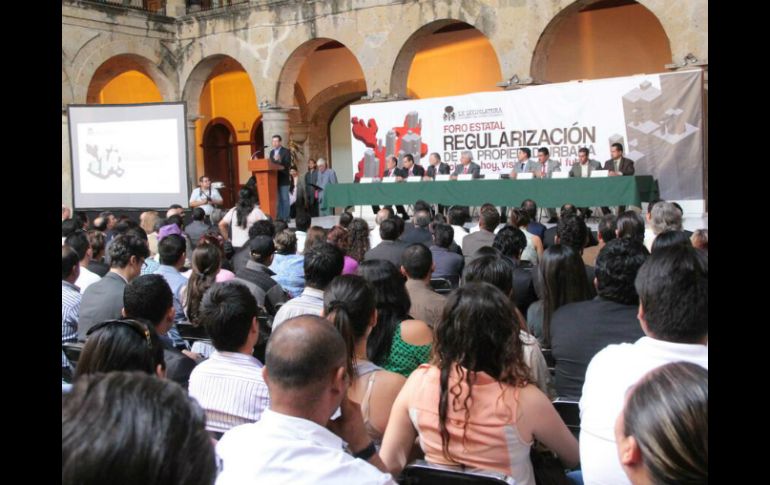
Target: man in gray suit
x,y
526,164
390,249
584,169
466,165
103,300
489,218
548,167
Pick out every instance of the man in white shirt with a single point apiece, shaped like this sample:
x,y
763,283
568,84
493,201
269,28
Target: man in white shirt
x,y
323,262
673,312
78,241
302,224
295,442
374,234
204,196
229,385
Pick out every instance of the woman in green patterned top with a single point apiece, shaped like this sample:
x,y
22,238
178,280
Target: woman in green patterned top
x,y
397,343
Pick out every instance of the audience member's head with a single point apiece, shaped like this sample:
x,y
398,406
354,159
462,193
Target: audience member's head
x,y
349,304
494,347
510,241
345,219
519,217
228,311
128,251
68,226
383,214
572,231
670,238
306,366
563,277
673,295
147,221
443,235
171,250
359,239
82,219
458,215
389,230
216,216
169,230
491,269
616,267
262,228
65,212
96,241
665,217
315,235
489,217
530,207
393,305
206,262
78,241
285,242
421,218
122,345
198,214
650,206
700,239
340,237
70,264
605,231
174,210
149,297
302,222
417,262
322,263
568,209
662,432
630,225
262,249
126,428
280,225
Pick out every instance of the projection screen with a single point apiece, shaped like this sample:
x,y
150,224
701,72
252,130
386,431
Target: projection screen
x,y
128,156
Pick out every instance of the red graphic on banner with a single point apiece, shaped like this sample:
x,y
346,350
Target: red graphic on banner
x,y
367,134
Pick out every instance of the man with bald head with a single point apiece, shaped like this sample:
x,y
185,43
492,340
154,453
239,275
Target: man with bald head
x,y
295,441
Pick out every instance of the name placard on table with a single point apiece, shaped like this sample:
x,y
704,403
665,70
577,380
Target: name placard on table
x,y
465,176
559,175
443,177
525,176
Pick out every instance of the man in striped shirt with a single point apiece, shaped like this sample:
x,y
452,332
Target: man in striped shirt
x,y
70,298
323,262
229,385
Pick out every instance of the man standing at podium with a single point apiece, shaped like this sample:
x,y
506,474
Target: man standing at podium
x,y
282,156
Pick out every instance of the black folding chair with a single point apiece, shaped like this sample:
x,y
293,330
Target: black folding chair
x,y
441,285
423,473
570,414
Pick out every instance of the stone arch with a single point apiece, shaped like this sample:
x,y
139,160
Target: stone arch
x,y
67,95
569,8
405,56
153,61
116,66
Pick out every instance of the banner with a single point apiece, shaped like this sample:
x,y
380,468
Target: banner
x,y
656,117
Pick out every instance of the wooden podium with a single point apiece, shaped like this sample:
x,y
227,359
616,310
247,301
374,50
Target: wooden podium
x,y
266,173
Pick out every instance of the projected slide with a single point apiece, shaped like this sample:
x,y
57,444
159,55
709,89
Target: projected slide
x,y
128,156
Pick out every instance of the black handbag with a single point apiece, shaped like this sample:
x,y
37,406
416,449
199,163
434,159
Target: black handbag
x,y
547,467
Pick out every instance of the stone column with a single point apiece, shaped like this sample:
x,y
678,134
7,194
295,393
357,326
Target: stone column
x,y
192,166
275,121
299,132
66,165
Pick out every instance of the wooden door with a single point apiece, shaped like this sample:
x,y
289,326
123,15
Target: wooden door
x,y
219,161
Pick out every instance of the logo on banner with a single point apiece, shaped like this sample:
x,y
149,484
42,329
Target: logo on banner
x,y
449,113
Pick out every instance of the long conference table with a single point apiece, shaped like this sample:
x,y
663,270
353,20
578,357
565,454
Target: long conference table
x,y
582,192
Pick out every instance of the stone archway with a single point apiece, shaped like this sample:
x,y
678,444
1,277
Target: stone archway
x,y
113,68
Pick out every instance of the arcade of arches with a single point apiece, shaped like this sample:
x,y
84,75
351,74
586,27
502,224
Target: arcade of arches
x,y
293,68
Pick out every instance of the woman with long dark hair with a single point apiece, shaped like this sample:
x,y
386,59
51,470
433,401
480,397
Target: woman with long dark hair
x,y
474,404
240,218
359,239
349,303
561,279
206,261
398,343
340,237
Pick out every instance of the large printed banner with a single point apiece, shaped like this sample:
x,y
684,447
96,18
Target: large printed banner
x,y
657,118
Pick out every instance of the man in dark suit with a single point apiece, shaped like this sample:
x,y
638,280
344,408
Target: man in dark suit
x,y
103,300
411,169
420,232
197,227
489,218
510,241
580,330
466,166
549,237
390,249
282,156
392,170
618,165
448,263
436,167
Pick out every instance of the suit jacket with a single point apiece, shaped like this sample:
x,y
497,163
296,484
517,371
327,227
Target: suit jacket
x,y
626,166
417,171
427,305
195,230
552,166
448,263
387,250
475,240
529,166
577,172
101,301
98,267
443,169
395,172
418,235
473,168
310,178
523,285
549,237
580,330
284,177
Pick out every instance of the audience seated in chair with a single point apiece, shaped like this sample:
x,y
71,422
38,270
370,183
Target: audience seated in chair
x,y
417,266
673,313
511,241
126,428
487,363
287,265
448,263
295,442
229,385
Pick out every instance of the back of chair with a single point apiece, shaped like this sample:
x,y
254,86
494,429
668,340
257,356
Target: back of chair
x,y
570,414
423,473
191,332
72,350
265,328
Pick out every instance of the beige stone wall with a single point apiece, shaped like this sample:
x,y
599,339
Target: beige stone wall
x,y
271,40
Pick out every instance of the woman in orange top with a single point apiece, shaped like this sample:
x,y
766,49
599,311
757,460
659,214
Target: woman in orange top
x,y
474,405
